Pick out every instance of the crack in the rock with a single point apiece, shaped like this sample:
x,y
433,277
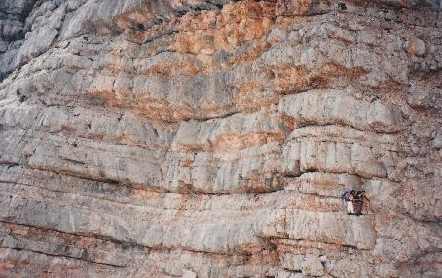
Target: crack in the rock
x,y
70,174
63,256
294,271
134,244
305,171
320,196
223,116
74,161
156,189
286,237
93,236
307,124
437,222
159,36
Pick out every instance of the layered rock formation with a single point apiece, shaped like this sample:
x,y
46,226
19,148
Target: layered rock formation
x,y
214,138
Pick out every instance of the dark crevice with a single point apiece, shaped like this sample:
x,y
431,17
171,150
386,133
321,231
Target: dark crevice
x,y
104,180
125,244
292,270
9,164
223,116
207,6
159,36
19,36
286,237
342,6
130,244
62,256
437,222
311,170
74,161
322,197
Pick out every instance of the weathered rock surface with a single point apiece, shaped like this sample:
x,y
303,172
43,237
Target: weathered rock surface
x,y
214,138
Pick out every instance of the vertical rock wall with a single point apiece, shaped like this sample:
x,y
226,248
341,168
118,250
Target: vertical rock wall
x,y
214,138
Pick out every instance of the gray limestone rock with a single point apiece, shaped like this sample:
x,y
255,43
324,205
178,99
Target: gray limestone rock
x,y
203,138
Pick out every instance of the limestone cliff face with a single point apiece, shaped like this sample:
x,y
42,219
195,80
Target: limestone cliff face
x,y
197,138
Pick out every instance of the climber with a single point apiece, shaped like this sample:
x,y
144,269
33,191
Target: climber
x,y
358,202
347,197
354,201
